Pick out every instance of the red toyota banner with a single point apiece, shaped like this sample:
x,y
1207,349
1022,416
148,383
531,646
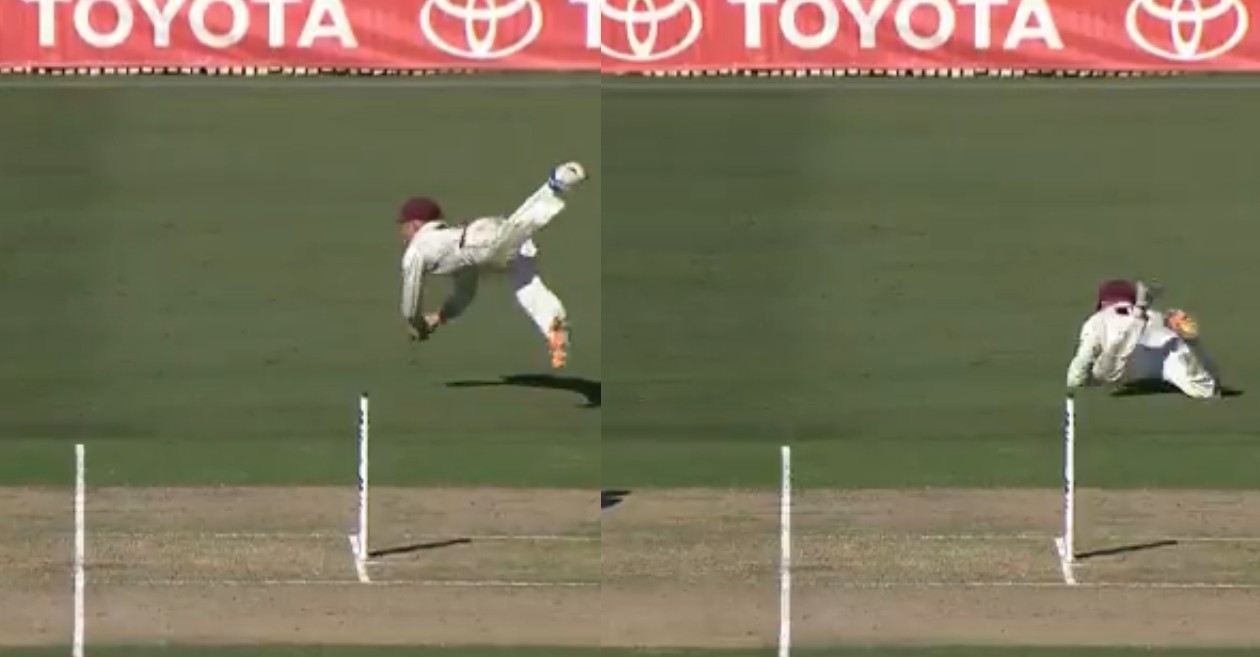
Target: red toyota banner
x,y
931,34
409,34
634,35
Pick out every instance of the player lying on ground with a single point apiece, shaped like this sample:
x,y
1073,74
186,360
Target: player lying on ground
x,y
434,247
1127,342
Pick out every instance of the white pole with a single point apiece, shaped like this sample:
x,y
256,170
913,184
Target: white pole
x,y
363,477
80,544
1066,543
1069,480
785,555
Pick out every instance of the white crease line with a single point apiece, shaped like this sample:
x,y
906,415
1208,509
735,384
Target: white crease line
x,y
1207,586
176,583
527,537
563,538
1037,537
224,535
335,535
246,583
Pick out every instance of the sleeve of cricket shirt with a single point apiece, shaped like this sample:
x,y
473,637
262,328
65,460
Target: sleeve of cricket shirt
x,y
412,286
462,294
1087,351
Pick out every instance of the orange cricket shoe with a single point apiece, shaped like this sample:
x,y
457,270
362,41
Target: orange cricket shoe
x,y
558,341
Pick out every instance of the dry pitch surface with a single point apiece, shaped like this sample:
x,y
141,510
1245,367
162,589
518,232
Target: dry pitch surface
x,y
673,568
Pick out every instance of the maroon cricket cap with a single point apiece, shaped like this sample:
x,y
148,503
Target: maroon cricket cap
x,y
1116,291
420,208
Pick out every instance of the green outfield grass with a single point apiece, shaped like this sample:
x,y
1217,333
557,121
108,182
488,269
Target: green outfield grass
x,y
200,279
888,277
892,277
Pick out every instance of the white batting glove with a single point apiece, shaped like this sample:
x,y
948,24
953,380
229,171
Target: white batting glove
x,y
566,176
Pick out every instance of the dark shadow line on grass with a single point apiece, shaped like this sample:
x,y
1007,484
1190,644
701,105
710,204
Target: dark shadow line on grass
x,y
610,498
1125,549
1151,388
590,390
419,547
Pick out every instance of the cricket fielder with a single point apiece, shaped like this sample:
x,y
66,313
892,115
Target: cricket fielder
x,y
463,252
1126,341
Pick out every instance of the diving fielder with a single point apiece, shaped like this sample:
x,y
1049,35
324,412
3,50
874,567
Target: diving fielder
x,y
436,248
1126,341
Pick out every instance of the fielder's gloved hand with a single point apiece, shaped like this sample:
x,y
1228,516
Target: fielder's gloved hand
x,y
1182,324
1146,293
423,330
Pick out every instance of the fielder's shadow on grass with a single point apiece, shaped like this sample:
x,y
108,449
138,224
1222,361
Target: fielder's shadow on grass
x,y
418,547
1147,388
1125,549
591,391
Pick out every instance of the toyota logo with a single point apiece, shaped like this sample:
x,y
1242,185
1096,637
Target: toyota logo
x,y
643,43
1194,32
482,21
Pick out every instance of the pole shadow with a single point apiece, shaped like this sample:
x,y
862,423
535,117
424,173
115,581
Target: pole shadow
x,y
1125,549
418,547
590,390
610,498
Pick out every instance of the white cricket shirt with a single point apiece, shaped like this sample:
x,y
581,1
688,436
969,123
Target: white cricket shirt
x,y
1108,339
438,249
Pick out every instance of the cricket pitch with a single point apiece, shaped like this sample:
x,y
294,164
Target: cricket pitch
x,y
692,568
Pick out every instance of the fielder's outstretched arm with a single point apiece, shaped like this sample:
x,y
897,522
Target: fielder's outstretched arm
x,y
462,295
413,295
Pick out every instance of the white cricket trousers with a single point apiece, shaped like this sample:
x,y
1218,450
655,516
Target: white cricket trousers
x,y
535,298
1164,355
504,243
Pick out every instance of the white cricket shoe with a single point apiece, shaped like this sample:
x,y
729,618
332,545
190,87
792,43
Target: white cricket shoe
x,y
567,176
